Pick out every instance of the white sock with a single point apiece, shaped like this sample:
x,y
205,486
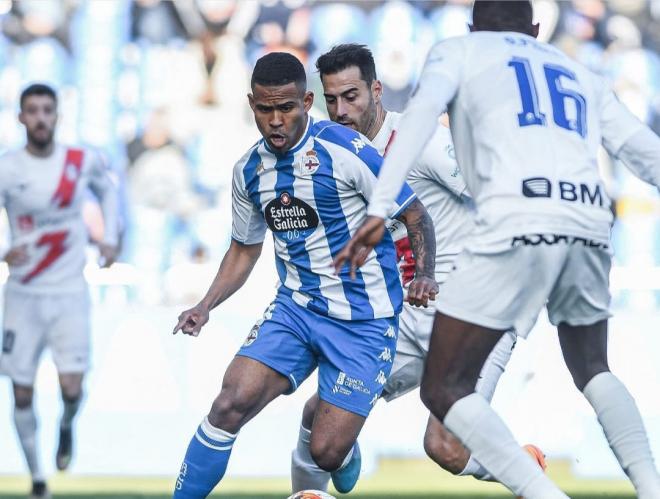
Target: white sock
x,y
25,421
482,431
305,473
624,429
474,468
70,410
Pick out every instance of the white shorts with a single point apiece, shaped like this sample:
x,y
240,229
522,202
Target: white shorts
x,y
508,289
412,347
33,322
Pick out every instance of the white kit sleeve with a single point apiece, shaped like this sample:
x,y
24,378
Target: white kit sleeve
x,y
105,186
437,87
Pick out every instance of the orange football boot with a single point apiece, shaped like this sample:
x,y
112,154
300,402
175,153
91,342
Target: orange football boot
x,y
537,455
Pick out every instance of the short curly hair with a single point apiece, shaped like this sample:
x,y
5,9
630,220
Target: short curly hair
x,y
279,68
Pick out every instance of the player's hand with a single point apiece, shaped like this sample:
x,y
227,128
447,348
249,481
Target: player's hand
x,y
358,248
108,254
16,256
421,290
192,320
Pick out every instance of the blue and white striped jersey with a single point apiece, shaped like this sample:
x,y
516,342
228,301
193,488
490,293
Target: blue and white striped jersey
x,y
313,198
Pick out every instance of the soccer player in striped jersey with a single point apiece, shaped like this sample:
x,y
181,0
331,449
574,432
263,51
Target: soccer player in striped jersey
x,y
309,183
353,98
42,187
527,122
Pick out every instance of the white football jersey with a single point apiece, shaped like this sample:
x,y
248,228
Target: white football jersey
x,y
439,185
527,122
43,198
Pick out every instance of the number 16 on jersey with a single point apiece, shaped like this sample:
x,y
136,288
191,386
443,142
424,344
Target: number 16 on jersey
x,y
560,97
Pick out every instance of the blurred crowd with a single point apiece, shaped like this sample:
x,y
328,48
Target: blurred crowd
x,y
160,87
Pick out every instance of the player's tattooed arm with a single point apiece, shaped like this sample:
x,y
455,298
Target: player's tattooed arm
x,y
421,234
234,270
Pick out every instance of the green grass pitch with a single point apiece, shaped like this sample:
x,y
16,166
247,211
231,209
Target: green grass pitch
x,y
395,479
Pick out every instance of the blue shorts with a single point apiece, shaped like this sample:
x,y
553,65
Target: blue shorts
x,y
354,357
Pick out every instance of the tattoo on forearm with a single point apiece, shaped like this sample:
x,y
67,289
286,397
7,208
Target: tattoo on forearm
x,y
421,234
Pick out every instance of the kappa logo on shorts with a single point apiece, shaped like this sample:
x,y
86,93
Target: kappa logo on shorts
x,y
386,355
390,332
8,340
381,378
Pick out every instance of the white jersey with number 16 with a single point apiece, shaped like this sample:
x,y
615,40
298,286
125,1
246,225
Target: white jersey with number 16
x,y
527,122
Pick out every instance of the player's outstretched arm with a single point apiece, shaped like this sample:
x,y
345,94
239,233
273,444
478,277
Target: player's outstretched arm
x,y
641,154
625,137
105,186
234,270
437,87
421,234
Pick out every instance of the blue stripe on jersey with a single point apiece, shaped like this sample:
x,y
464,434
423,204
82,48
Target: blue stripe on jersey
x,y
351,140
311,282
346,138
386,254
331,214
281,273
251,177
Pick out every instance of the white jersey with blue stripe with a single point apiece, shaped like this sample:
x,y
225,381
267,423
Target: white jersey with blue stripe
x,y
313,198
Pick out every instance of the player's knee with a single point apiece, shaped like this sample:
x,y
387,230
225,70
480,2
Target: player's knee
x,y
327,455
309,410
71,393
582,378
440,398
22,397
22,401
437,399
447,452
230,409
71,387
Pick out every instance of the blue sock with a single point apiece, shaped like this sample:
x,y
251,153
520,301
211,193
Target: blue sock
x,y
205,462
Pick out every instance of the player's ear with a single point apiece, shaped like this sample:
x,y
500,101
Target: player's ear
x,y
377,90
21,118
251,101
308,100
535,30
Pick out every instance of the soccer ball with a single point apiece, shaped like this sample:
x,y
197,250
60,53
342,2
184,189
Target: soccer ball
x,y
311,494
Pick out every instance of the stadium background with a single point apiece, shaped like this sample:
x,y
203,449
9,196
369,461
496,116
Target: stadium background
x,y
160,88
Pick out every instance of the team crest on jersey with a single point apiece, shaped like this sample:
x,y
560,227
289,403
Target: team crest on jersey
x,y
252,336
309,163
